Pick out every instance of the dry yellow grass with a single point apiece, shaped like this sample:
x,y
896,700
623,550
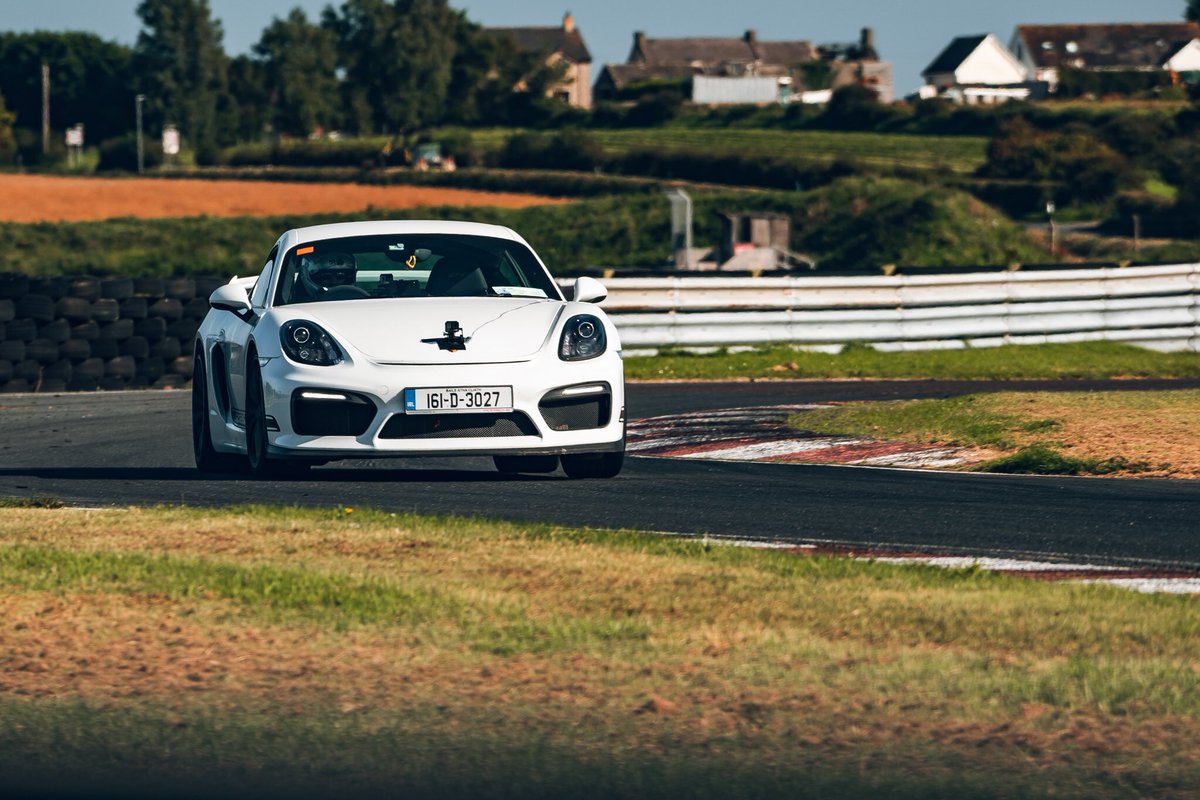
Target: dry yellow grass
x,y
1160,429
770,661
44,198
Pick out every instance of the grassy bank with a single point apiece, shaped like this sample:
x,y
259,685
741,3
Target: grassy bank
x,y
1083,360
1094,433
253,650
854,223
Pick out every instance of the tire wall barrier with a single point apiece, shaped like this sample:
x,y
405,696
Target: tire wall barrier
x,y
79,334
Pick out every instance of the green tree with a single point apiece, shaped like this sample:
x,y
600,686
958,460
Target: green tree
x,y
1192,13
89,81
398,59
251,97
8,144
299,62
182,65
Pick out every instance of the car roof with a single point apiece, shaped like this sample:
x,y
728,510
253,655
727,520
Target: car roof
x,y
338,230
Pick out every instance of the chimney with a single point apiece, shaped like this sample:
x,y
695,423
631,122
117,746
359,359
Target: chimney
x,y
639,47
568,22
750,37
867,44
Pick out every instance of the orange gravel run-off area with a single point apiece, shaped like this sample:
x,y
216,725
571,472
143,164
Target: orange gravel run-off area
x,y
43,198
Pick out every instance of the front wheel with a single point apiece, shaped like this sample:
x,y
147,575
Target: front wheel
x,y
257,456
593,465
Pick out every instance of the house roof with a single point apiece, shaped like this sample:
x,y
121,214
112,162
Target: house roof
x,y
955,54
623,75
549,39
1111,46
787,53
695,49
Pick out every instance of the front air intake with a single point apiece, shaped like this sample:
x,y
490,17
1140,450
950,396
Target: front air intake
x,y
458,426
324,412
577,408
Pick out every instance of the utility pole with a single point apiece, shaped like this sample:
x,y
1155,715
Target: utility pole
x,y
138,100
45,109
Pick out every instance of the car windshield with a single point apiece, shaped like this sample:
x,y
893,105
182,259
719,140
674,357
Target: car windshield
x,y
411,265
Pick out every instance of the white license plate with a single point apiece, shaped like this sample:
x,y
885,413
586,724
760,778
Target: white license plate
x,y
458,399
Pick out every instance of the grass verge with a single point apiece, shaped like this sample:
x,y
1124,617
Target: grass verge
x,y
259,650
1083,433
1086,360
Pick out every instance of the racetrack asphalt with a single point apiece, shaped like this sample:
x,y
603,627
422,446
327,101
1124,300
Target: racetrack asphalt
x,y
134,448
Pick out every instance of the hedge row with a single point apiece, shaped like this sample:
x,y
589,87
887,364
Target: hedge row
x,y
77,334
551,182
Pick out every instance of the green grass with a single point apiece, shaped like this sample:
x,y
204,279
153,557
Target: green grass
x,y
338,651
1160,188
275,593
1090,360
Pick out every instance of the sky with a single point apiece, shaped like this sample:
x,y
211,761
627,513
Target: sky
x,y
908,33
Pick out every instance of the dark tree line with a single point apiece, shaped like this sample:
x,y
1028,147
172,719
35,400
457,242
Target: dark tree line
x,y
365,67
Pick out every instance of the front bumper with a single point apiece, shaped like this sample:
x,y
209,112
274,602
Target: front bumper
x,y
384,385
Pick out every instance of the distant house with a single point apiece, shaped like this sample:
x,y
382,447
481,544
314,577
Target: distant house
x,y
679,59
561,44
1141,47
976,69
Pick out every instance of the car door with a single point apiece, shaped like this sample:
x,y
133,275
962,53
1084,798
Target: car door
x,y
237,337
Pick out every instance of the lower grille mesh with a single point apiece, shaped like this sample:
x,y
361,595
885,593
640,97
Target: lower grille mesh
x,y
457,426
577,413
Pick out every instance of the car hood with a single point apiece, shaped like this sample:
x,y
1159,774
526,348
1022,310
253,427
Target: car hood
x,y
389,331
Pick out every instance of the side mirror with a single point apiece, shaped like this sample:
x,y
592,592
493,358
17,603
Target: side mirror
x,y
589,290
230,298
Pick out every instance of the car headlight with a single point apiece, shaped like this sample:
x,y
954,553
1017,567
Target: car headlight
x,y
307,343
582,338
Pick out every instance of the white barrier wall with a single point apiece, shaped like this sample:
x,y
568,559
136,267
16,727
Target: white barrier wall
x,y
1156,307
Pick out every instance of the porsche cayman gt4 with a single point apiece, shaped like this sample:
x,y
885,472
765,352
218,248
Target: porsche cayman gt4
x,y
371,339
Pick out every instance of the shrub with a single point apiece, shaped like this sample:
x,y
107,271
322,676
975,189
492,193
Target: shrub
x,y
120,154
857,108
1090,170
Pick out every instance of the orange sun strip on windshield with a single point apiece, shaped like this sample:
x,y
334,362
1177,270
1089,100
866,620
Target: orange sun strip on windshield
x,y
303,251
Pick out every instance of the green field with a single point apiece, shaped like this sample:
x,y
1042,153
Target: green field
x,y
281,651
960,154
1094,360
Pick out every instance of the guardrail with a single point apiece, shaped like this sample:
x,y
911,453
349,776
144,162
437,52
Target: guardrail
x,y
1156,307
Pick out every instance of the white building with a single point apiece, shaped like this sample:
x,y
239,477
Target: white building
x,y
976,69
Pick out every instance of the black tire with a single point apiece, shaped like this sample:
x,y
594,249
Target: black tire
x,y
257,457
116,288
207,457
593,465
37,307
511,465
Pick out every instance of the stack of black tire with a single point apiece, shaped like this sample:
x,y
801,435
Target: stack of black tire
x,y
78,334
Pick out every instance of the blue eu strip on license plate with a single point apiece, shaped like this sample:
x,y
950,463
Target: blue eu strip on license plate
x,y
410,399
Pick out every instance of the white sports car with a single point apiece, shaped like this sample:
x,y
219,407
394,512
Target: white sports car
x,y
368,339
